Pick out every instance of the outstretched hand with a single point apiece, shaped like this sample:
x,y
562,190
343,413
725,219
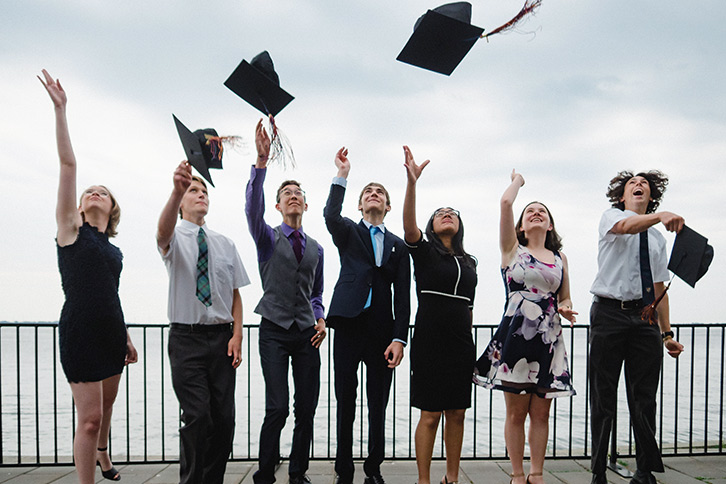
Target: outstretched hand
x,y
517,176
55,90
182,177
262,143
342,162
567,313
412,169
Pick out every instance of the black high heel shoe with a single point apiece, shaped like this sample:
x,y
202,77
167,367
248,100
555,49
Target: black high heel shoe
x,y
112,474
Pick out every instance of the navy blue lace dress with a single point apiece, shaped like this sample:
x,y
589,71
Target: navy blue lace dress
x,y
91,328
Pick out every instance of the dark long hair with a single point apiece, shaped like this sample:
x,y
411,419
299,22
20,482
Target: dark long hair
x,y
553,241
457,242
657,180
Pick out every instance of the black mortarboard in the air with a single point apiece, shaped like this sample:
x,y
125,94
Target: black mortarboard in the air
x,y
257,83
441,38
202,152
691,256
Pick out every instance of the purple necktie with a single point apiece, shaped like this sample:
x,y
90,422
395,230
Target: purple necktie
x,y
297,247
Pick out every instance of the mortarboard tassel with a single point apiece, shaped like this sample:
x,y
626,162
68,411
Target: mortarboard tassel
x,y
648,313
529,7
280,147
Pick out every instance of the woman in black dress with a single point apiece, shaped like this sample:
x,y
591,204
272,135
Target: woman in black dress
x,y
442,347
94,343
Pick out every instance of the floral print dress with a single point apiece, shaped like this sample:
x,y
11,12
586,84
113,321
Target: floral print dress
x,y
527,353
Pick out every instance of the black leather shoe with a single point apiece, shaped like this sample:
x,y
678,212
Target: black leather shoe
x,y
340,480
304,479
643,477
599,479
377,479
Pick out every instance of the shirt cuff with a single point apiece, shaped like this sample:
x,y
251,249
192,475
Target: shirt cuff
x,y
400,341
339,180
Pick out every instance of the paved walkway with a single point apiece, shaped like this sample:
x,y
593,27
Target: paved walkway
x,y
679,470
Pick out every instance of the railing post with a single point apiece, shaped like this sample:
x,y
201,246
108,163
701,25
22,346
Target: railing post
x,y
613,464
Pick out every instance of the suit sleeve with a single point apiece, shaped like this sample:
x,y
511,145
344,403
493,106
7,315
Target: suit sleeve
x,y
334,221
402,295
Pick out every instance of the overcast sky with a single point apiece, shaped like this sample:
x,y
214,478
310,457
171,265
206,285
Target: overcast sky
x,y
580,91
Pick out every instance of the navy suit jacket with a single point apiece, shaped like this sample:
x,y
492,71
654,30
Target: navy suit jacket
x,y
391,283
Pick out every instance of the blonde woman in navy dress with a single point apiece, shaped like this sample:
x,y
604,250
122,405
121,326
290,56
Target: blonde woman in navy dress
x,y
526,357
442,347
94,343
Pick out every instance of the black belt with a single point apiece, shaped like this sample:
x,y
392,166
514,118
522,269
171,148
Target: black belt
x,y
201,328
633,305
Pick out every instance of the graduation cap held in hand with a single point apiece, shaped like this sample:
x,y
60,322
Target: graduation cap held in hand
x,y
690,258
443,36
203,147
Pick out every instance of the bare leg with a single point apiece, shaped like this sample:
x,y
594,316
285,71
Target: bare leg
x,y
110,390
517,409
453,437
88,398
539,421
425,435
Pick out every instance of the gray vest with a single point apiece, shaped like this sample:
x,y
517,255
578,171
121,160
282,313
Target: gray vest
x,y
287,284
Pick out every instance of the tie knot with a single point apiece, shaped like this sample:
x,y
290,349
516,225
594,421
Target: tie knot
x,y
296,235
374,229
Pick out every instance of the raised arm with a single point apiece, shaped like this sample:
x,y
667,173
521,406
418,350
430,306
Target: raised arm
x,y
411,232
507,232
334,221
167,220
66,212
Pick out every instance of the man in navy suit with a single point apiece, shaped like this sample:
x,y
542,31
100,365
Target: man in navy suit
x,y
370,312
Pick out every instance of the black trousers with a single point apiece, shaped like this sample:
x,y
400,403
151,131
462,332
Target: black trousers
x,y
356,340
278,348
619,336
204,383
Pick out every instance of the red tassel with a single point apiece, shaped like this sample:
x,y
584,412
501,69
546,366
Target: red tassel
x,y
529,7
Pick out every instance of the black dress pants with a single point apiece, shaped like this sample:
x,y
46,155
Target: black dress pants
x,y
278,348
619,336
357,340
204,383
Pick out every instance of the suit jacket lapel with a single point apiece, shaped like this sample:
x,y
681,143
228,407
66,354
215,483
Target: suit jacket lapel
x,y
365,234
387,247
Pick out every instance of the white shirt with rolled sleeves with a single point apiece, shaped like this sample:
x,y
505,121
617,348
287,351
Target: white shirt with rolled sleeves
x,y
226,273
618,259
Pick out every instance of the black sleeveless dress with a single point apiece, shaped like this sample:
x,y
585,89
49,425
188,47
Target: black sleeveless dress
x,y
91,328
442,347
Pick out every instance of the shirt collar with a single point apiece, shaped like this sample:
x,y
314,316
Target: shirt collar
x,y
287,230
368,225
191,226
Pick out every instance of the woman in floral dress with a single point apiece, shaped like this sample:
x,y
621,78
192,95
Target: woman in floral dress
x,y
526,358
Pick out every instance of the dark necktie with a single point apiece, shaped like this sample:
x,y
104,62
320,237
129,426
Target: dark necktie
x,y
297,247
203,292
646,277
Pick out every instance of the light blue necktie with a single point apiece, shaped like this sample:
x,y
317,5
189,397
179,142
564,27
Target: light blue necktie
x,y
373,230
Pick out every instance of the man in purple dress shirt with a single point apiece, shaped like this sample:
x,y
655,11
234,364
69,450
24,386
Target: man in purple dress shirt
x,y
293,324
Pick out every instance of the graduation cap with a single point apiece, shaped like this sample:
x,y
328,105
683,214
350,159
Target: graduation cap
x,y
443,36
257,83
691,256
203,148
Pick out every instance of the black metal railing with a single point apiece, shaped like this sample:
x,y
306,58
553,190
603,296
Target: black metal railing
x,y
37,417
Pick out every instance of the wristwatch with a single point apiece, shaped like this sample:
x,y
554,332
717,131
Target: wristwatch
x,y
667,335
